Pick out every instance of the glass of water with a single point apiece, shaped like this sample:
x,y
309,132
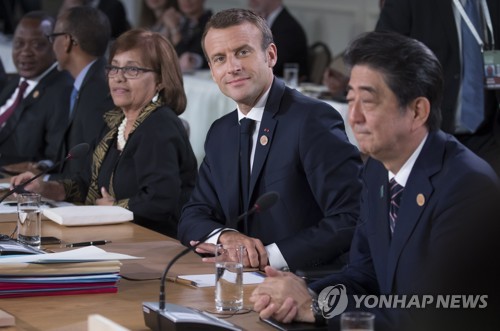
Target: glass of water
x,y
291,74
29,219
357,321
229,278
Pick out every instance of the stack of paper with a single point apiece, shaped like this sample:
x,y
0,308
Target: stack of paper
x,y
80,271
88,215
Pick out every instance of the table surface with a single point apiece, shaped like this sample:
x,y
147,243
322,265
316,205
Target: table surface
x,y
70,312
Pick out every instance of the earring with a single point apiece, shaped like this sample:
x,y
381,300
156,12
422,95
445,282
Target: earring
x,y
156,97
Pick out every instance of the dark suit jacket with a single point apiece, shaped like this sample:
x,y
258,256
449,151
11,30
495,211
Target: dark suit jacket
x,y
35,130
433,23
443,241
307,160
86,124
291,41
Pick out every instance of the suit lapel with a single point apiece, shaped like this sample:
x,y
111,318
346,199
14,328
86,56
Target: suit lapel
x,y
417,193
377,216
31,98
264,141
7,129
266,133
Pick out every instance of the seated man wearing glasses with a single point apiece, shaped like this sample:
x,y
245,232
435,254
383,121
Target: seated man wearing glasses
x,y
79,41
31,103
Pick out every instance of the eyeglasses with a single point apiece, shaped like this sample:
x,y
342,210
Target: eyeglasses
x,y
128,72
51,37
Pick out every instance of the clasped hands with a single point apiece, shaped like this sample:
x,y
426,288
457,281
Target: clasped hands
x,y
283,296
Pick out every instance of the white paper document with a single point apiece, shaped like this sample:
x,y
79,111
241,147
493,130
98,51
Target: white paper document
x,y
89,253
207,280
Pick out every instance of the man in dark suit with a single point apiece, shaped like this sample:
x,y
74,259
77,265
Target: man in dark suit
x,y
80,39
288,34
429,206
299,149
31,128
438,25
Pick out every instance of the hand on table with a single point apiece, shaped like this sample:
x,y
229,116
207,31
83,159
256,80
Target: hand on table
x,y
35,186
256,254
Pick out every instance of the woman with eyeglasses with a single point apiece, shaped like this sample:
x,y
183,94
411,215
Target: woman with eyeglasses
x,y
144,162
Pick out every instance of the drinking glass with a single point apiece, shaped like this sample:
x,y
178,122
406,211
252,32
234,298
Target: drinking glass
x,y
229,278
29,219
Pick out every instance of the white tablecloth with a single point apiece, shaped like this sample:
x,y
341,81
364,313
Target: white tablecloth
x,y
6,54
205,104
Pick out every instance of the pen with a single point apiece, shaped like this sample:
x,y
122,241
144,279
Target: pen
x,y
89,243
181,281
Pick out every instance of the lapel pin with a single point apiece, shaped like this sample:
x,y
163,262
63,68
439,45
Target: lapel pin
x,y
36,94
263,140
420,199
381,191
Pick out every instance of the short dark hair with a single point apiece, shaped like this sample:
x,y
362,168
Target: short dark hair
x,y
158,54
410,68
236,16
89,27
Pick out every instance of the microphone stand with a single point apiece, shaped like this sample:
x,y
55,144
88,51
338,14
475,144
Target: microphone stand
x,y
166,316
76,152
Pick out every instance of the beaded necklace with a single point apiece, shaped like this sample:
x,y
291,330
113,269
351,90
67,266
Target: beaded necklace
x,y
121,141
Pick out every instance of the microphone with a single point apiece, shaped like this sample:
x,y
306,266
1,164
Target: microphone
x,y
164,316
75,153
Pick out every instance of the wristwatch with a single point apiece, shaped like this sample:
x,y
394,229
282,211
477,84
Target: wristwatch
x,y
319,319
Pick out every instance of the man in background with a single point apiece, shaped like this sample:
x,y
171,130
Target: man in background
x,y
288,34
80,39
472,117
32,105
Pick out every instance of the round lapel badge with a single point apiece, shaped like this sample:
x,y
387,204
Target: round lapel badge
x,y
264,140
420,199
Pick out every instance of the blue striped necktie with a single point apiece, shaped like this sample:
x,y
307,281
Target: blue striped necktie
x,y
396,191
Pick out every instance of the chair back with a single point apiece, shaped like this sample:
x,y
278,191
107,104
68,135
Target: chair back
x,y
319,59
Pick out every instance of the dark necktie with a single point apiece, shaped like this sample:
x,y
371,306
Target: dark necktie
x,y
473,67
19,97
396,191
246,130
